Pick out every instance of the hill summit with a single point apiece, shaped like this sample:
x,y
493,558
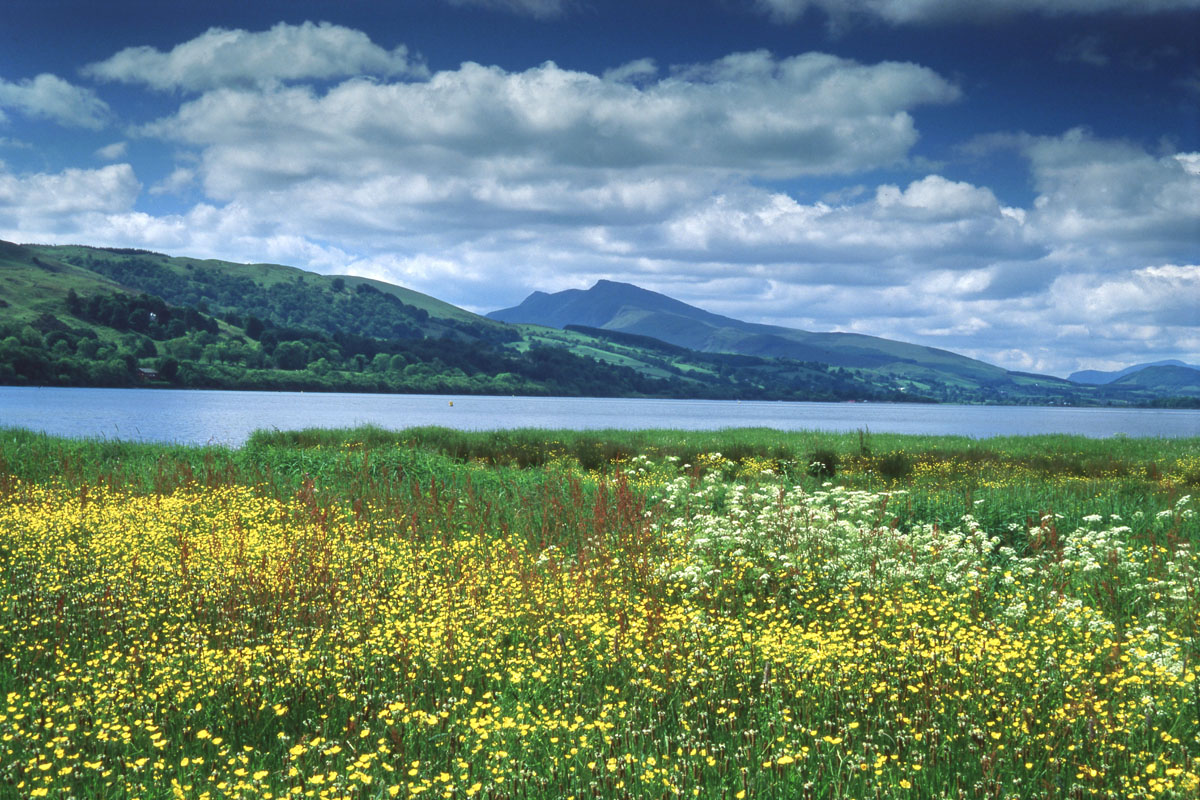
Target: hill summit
x,y
631,309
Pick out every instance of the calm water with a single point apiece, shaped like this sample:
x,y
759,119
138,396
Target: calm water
x,y
198,417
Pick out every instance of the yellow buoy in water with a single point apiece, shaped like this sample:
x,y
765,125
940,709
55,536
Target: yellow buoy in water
x,y
452,402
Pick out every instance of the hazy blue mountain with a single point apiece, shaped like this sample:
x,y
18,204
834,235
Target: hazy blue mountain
x,y
1099,378
623,307
1168,379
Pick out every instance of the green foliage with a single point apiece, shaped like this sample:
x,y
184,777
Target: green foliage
x,y
823,463
321,304
895,466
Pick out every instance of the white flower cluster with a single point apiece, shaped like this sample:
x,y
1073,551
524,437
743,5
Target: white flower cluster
x,y
781,537
844,535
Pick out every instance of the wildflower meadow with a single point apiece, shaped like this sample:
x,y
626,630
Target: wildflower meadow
x,y
536,614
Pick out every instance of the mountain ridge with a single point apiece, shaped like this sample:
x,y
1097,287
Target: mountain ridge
x,y
628,308
78,315
1097,377
1167,378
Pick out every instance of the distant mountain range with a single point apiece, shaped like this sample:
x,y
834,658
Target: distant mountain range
x,y
86,316
1098,378
626,308
1166,379
631,309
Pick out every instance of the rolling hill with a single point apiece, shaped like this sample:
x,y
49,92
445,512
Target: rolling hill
x,y
1169,379
286,295
88,316
625,308
1100,378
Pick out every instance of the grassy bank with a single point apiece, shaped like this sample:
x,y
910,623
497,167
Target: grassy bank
x,y
616,614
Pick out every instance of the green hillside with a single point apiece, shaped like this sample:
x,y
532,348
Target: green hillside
x,y
717,375
87,316
285,295
1174,380
31,286
915,370
1102,376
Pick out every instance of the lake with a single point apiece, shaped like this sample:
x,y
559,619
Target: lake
x,y
228,418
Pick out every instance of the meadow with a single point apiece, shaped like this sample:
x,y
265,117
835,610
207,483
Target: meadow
x,y
547,614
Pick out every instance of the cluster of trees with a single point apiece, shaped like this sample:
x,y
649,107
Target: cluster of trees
x,y
443,364
156,343
144,314
49,352
319,303
1175,402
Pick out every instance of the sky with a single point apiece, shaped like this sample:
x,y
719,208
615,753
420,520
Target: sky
x,y
1014,180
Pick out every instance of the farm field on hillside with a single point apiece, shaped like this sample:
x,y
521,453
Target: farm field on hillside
x,y
544,614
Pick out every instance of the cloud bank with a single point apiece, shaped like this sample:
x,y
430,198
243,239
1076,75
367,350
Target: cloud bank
x,y
748,113
221,57
311,145
50,97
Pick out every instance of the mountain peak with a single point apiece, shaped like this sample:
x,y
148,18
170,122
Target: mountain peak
x,y
626,308
606,284
1100,377
602,305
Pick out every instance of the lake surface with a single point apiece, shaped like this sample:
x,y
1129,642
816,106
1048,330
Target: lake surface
x,y
221,417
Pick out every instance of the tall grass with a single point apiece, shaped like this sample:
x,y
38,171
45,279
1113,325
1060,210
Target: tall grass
x,y
367,614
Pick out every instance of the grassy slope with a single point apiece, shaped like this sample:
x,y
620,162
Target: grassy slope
x,y
31,289
630,309
593,347
1176,380
651,358
272,274
34,282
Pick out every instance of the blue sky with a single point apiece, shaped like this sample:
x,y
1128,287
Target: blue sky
x,y
1016,180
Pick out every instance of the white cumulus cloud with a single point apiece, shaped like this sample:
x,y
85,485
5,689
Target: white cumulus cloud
x,y
50,97
112,152
1163,295
180,179
935,197
1111,201
37,207
221,57
490,136
932,222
